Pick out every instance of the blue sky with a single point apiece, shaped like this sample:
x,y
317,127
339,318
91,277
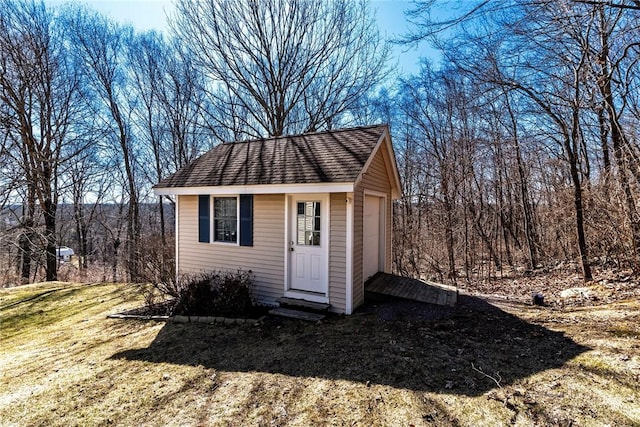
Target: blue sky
x,y
151,14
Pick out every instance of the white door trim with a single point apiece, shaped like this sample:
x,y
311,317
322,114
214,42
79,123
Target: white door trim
x,y
375,193
324,244
286,242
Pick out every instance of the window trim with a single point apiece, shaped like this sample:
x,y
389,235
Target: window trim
x,y
212,219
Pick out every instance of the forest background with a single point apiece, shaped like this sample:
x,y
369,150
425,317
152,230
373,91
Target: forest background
x,y
518,150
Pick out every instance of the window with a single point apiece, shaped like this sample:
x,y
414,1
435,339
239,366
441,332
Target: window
x,y
225,219
308,223
232,219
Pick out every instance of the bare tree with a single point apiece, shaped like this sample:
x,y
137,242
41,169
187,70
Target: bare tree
x,y
279,67
528,49
39,89
606,62
432,108
100,46
168,119
87,180
168,116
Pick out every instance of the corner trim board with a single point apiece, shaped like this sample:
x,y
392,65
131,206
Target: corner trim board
x,y
177,239
349,256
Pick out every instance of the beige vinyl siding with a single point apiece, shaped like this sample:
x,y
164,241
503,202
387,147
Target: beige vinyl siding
x,y
265,258
358,290
337,252
375,178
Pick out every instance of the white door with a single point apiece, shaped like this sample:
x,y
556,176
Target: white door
x,y
371,239
309,244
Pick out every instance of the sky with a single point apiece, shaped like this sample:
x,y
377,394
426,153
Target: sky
x,y
151,14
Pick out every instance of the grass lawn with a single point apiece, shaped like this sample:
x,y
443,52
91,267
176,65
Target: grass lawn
x,y
62,362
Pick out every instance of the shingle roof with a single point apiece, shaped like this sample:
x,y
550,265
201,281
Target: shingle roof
x,y
323,157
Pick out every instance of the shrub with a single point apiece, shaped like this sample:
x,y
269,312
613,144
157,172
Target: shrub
x,y
216,293
158,267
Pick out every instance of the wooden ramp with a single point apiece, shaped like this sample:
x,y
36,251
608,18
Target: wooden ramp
x,y
412,289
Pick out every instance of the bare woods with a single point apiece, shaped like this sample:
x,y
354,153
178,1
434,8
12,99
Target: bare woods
x,y
93,113
521,151
518,150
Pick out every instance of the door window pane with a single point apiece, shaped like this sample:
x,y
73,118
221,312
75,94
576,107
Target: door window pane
x,y
308,223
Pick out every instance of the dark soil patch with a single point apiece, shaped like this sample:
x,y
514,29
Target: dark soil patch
x,y
408,345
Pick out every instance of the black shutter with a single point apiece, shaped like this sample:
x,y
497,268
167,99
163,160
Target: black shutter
x,y
246,220
204,223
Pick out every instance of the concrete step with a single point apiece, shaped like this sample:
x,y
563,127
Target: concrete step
x,y
303,304
296,314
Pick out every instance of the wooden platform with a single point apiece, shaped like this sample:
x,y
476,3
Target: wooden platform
x,y
412,289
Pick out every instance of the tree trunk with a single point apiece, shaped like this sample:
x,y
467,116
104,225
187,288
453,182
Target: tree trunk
x,y
49,210
133,217
577,199
604,143
531,235
448,206
81,230
114,262
84,247
25,241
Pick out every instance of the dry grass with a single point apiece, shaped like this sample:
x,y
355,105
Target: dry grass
x,y
64,363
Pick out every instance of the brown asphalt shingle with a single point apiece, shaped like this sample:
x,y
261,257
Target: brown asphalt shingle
x,y
331,156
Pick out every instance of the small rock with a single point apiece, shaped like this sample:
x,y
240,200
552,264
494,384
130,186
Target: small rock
x,y
538,299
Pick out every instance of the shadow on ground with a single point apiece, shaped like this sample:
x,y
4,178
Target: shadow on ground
x,y
402,344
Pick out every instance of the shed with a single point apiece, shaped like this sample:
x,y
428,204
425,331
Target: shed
x,y
64,253
310,215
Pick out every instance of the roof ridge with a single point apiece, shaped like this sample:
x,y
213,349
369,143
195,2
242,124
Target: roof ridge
x,y
275,138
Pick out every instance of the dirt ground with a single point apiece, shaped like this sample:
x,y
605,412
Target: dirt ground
x,y
493,360
559,288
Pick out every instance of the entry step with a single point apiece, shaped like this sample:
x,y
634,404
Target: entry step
x,y
296,314
301,303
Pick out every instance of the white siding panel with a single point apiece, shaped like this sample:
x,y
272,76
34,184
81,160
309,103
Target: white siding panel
x,y
265,258
375,178
337,252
